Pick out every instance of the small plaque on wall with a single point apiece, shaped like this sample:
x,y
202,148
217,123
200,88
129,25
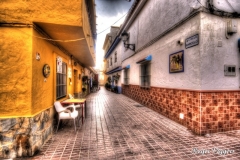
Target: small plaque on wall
x,y
192,41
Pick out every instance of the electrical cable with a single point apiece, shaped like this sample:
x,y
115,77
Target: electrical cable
x,y
73,40
230,5
112,24
202,5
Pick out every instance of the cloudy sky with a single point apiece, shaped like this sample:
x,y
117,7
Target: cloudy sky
x,y
108,13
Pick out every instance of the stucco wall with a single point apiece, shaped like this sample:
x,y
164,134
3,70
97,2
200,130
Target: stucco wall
x,y
43,89
156,17
51,11
16,71
118,49
87,31
160,51
213,58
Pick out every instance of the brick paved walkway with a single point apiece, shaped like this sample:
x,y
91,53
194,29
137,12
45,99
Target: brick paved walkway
x,y
117,127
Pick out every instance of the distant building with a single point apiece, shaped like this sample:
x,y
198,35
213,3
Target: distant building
x,y
112,58
181,59
46,47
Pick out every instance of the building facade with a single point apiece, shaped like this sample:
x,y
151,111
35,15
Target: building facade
x,y
185,61
113,60
114,66
45,50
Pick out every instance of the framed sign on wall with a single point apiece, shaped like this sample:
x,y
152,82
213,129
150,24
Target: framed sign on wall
x,y
176,62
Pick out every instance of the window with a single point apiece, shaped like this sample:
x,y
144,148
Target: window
x,y
145,74
110,61
115,57
126,76
62,82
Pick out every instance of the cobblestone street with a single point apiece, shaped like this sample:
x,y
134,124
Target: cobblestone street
x,y
117,127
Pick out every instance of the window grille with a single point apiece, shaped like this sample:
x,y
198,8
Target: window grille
x,y
115,57
145,75
62,82
126,76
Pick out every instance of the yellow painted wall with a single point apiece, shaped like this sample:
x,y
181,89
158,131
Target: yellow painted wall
x,y
50,11
42,91
76,81
15,71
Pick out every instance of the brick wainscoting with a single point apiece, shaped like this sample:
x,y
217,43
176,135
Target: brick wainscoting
x,y
204,112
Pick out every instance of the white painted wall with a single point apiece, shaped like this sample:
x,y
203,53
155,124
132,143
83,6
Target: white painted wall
x,y
156,17
117,49
213,57
203,64
160,51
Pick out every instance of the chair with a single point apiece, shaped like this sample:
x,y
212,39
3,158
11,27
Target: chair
x,y
78,106
65,113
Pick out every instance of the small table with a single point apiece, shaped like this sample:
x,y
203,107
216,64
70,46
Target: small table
x,y
82,102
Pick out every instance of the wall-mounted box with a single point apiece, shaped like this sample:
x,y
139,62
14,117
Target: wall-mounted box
x,y
229,70
232,26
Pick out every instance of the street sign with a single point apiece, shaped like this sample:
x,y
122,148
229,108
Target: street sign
x,y
192,41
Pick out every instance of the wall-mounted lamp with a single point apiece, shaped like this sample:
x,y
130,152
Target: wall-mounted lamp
x,y
180,42
70,81
125,37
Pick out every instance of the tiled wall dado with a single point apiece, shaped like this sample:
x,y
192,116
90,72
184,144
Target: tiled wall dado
x,y
204,112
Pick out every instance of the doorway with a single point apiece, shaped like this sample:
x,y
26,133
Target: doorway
x,y
75,83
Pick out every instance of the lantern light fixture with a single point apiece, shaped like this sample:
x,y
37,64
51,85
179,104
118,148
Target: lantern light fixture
x,y
125,37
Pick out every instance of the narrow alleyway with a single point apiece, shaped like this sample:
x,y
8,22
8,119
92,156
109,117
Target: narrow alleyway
x,y
117,127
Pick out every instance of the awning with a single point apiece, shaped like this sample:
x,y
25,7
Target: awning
x,y
116,41
127,67
148,58
114,70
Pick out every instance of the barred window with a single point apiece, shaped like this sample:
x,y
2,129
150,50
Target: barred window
x,y
62,82
115,57
126,76
145,74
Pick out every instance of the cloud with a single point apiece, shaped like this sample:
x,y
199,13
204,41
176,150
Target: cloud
x,y
111,8
108,12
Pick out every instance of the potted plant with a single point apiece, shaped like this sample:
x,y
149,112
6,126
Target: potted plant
x,y
85,79
116,78
109,79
